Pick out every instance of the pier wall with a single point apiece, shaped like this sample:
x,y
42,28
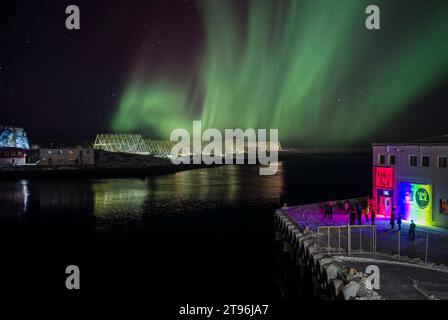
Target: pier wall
x,y
329,279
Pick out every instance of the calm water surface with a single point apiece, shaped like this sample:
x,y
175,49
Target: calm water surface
x,y
202,234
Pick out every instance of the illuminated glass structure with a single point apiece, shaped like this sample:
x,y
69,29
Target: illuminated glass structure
x,y
162,148
13,137
125,143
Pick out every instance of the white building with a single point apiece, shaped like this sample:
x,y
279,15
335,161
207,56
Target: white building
x,y
414,178
66,157
12,156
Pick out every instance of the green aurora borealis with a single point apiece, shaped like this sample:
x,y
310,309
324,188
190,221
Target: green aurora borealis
x,y
309,68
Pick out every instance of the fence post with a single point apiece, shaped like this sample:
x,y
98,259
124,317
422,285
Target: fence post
x,y
349,239
426,252
374,236
399,244
328,241
360,237
339,239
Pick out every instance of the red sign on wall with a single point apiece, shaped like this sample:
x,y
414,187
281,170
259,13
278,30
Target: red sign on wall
x,y
384,177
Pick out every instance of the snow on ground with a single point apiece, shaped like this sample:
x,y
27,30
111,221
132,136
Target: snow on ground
x,y
403,280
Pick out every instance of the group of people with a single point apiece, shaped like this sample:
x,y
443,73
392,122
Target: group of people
x,y
329,208
396,219
356,212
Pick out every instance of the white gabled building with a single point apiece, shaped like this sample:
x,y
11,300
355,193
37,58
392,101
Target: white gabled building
x,y
78,157
414,178
12,156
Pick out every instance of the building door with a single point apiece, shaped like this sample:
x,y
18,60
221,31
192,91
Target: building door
x,y
385,205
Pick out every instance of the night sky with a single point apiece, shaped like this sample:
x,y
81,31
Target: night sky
x,y
309,68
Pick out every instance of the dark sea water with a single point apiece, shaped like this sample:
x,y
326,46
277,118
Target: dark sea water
x,y
204,234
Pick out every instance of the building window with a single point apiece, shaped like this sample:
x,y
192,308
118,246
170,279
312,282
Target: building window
x,y
443,162
443,206
381,159
425,161
392,159
413,161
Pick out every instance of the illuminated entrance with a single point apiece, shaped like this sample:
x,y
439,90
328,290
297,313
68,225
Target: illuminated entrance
x,y
385,202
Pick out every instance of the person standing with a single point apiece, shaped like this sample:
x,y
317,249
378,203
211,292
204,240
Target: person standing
x,y
372,216
412,230
367,211
330,209
347,207
392,218
399,221
327,209
352,216
359,214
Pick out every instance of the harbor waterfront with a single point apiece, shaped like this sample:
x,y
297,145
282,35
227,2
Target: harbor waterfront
x,y
224,158
199,234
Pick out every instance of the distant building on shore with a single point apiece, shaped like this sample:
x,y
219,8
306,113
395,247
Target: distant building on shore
x,y
13,146
413,177
12,156
60,157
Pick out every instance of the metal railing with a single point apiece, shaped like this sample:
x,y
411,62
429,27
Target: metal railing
x,y
348,239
